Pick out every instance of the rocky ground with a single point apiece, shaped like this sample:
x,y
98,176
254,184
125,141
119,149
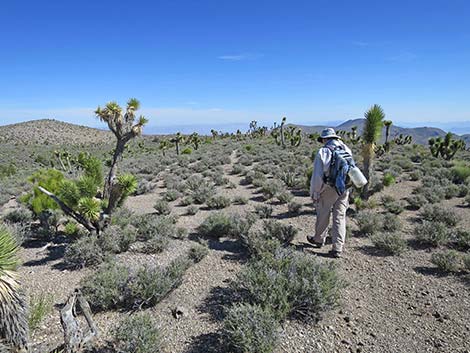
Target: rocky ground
x,y
390,304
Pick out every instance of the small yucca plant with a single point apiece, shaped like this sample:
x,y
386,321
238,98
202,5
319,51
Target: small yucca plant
x,y
13,313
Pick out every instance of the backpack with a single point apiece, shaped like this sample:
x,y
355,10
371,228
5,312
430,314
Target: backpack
x,y
341,162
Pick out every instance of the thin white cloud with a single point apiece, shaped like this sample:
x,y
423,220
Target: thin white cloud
x,y
239,57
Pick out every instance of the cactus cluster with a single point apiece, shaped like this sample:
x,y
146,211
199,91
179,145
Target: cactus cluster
x,y
445,147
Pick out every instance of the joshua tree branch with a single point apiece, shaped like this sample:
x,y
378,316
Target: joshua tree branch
x,y
68,211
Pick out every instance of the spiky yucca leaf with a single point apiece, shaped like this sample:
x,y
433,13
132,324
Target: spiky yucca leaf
x,y
87,186
128,183
133,104
69,193
13,312
373,124
89,208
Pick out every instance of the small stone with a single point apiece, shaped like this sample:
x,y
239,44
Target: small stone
x,y
179,311
346,342
347,319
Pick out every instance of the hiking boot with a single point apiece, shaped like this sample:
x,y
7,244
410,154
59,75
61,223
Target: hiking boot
x,y
335,254
314,243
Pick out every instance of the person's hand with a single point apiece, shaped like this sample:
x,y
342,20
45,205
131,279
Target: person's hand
x,y
315,197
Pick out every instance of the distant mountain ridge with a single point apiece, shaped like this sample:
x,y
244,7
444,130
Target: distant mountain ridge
x,y
55,132
420,135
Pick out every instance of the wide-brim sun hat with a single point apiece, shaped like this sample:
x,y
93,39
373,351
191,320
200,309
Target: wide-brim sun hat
x,y
328,133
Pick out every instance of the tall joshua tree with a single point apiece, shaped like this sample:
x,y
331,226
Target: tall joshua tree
x,y
164,145
370,136
177,140
387,124
13,323
283,139
124,128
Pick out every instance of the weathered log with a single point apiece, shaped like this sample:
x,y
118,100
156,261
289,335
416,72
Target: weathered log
x,y
75,339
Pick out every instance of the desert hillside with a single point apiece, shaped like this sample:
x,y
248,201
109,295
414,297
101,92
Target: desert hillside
x,y
53,132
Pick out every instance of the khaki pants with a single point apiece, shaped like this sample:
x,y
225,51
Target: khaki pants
x,y
330,201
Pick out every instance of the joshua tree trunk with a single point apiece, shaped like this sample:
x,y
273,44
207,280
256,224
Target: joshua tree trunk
x,y
117,155
367,154
177,144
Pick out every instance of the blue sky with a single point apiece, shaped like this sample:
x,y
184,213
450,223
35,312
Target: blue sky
x,y
229,62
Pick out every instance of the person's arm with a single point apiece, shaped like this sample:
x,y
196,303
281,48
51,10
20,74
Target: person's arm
x,y
316,182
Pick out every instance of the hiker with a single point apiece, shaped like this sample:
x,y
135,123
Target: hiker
x,y
327,196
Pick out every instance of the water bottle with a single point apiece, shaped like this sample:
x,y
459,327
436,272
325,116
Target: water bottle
x,y
356,176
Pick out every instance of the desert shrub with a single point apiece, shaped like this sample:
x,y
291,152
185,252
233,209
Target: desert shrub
x,y
137,333
145,187
463,191
231,185
197,252
462,239
181,233
432,233
148,286
240,200
395,207
415,202
390,243
162,207
467,200
156,244
290,284
294,207
171,195
466,261
250,328
435,213
460,173
388,179
448,261
71,229
19,215
84,252
186,201
116,240
270,189
39,307
192,210
218,202
284,197
264,211
245,160
187,150
237,169
284,233
451,191
215,225
369,222
391,223
104,289
416,175
153,225
123,217
203,193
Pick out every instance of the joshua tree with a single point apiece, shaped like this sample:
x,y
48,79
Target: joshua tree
x,y
371,134
14,333
403,140
214,134
163,146
447,147
195,140
81,199
124,129
283,141
177,140
387,124
253,126
353,132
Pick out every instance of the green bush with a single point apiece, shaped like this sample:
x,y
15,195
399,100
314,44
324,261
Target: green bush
x,y
39,307
155,244
197,252
391,223
171,195
105,288
388,179
84,252
116,240
218,202
270,189
187,150
466,261
369,222
240,200
150,226
460,173
448,261
432,233
390,243
290,284
395,207
284,197
71,229
250,328
192,210
137,333
435,213
216,225
19,215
